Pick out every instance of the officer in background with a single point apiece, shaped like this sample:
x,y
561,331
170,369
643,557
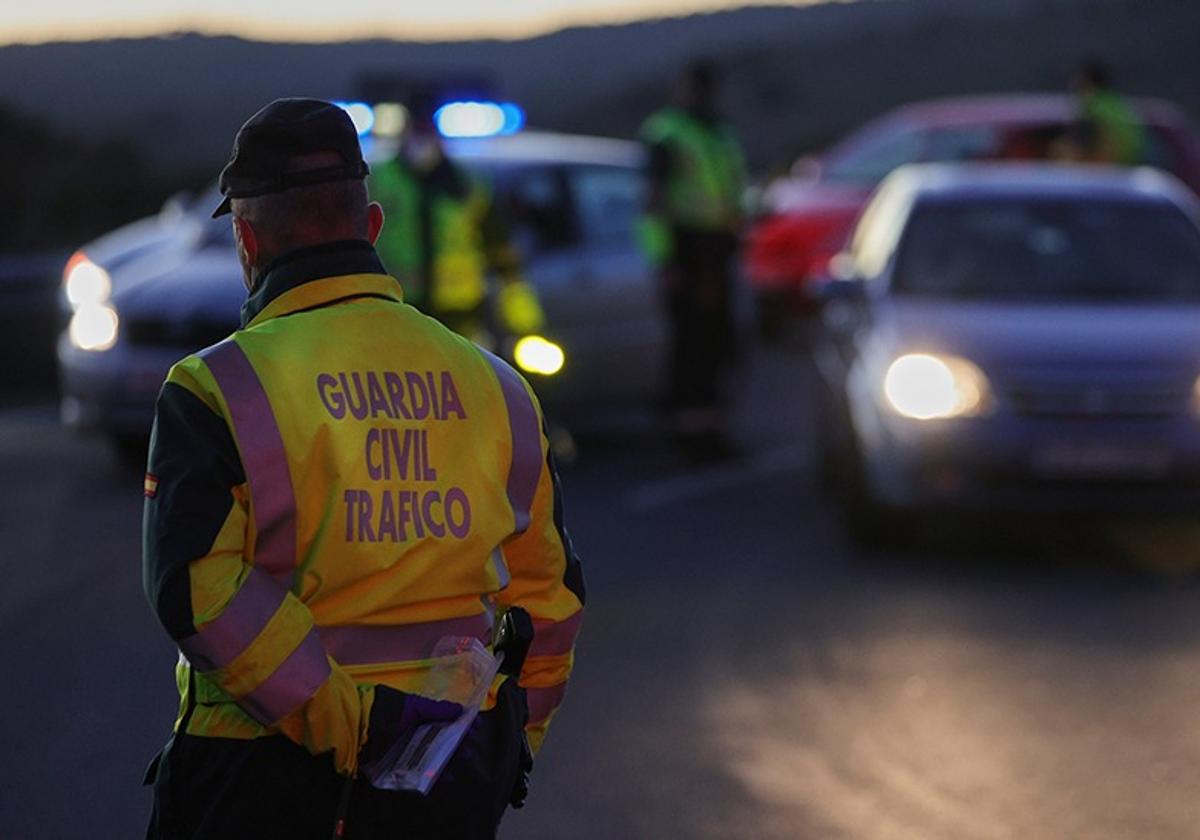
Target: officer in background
x,y
331,490
694,214
1109,129
445,235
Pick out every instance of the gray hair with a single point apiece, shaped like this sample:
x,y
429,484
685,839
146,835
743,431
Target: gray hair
x,y
307,215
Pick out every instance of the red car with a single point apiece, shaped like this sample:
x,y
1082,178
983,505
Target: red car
x,y
809,214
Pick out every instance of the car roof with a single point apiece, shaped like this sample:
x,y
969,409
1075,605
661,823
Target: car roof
x,y
1018,109
536,147
941,181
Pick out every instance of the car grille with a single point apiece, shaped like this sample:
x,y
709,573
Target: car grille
x,y
1105,398
187,336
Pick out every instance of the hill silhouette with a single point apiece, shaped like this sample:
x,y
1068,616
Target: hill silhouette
x,y
797,76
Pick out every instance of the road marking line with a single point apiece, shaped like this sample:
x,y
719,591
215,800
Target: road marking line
x,y
654,495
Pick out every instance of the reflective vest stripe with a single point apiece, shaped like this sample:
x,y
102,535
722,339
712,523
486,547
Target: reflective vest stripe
x,y
263,458
526,467
365,645
543,701
555,638
501,567
291,684
221,640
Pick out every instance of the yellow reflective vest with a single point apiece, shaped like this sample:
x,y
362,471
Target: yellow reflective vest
x,y
457,262
334,488
443,236
703,190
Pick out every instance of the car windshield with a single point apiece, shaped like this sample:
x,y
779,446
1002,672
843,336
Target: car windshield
x,y
1050,249
867,161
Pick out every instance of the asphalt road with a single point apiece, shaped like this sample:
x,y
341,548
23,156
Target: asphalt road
x,y
743,672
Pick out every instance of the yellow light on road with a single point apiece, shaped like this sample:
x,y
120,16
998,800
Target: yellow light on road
x,y
86,284
927,387
94,327
535,354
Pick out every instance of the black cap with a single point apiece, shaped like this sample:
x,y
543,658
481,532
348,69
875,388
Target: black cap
x,y
279,132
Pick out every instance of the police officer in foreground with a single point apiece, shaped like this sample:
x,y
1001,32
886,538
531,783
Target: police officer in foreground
x,y
331,490
693,218
446,237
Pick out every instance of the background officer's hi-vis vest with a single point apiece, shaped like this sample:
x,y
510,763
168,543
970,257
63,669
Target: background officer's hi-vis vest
x,y
704,190
396,491
458,262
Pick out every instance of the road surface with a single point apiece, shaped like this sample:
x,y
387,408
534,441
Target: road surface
x,y
743,672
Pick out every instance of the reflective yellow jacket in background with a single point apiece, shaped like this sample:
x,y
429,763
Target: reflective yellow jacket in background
x,y
332,489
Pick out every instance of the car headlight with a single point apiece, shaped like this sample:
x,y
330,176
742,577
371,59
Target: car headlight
x,y
94,327
85,283
534,354
928,387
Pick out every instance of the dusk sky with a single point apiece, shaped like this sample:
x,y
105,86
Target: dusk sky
x,y
49,20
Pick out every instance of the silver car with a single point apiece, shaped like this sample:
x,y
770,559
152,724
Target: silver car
x,y
139,299
1015,337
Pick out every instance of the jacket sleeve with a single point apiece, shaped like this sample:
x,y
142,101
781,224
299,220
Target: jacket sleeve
x,y
241,630
547,580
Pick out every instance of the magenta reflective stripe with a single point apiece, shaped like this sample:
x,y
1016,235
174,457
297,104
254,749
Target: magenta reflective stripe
x,y
554,638
526,467
501,567
263,457
220,641
543,701
295,680
366,645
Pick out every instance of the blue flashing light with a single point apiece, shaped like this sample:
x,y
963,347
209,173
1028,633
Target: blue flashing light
x,y
361,114
470,118
514,117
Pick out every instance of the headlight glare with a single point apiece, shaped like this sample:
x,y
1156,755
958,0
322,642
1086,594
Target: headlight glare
x,y
534,354
94,327
928,387
85,283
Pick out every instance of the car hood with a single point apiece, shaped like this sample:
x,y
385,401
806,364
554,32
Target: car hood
x,y
206,285
1023,337
802,197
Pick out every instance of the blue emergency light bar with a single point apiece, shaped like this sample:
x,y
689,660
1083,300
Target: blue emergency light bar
x,y
465,118
361,114
473,118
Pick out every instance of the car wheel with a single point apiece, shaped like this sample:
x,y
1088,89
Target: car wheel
x,y
870,524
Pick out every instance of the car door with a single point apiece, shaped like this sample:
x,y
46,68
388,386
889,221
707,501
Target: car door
x,y
545,230
574,225
623,341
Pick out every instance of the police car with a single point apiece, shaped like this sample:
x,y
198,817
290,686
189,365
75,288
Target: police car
x,y
140,298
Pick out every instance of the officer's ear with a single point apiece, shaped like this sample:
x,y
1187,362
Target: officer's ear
x,y
374,221
247,241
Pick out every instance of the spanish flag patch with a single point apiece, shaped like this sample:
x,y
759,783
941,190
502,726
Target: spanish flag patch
x,y
150,488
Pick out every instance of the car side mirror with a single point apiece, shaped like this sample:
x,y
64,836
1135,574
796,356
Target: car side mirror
x,y
841,280
174,208
826,289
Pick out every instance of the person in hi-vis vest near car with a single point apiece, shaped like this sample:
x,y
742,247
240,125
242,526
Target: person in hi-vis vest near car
x,y
690,232
330,491
447,238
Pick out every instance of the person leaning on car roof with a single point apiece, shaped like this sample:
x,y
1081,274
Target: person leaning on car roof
x,y
331,490
1111,131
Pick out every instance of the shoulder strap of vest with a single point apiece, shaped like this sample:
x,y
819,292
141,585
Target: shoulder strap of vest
x,y
525,470
264,458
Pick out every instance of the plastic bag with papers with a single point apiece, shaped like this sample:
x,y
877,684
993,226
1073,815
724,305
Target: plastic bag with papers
x,y
462,671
